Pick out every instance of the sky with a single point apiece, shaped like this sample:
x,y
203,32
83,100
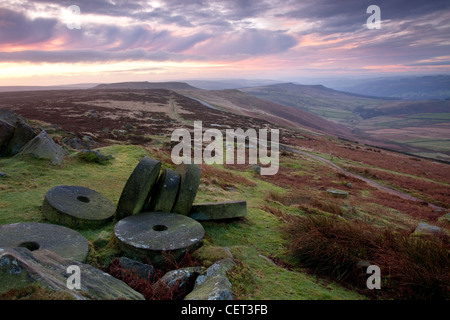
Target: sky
x,y
49,42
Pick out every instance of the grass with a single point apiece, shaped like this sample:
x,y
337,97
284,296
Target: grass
x,y
258,234
412,267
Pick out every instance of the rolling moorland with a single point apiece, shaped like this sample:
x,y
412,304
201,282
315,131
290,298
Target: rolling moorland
x,y
418,127
297,241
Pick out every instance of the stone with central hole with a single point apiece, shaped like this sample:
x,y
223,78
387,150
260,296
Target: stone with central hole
x,y
63,241
147,236
78,207
138,187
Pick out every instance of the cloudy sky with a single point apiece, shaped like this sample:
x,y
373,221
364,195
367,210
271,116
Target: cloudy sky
x,y
199,39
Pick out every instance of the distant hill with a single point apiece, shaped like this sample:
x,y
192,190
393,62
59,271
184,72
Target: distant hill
x,y
412,88
239,102
421,127
325,102
44,88
230,83
147,85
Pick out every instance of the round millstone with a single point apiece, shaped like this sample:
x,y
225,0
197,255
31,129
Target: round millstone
x,y
218,210
146,236
63,241
137,189
165,192
190,180
78,207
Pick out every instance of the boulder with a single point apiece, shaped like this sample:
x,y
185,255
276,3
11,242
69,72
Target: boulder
x,y
177,281
426,229
65,242
77,207
10,117
6,133
213,284
137,188
23,134
165,192
147,236
43,146
189,183
74,143
143,271
20,267
218,210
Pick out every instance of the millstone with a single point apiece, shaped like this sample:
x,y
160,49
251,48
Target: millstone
x,y
165,192
75,206
63,241
146,236
137,189
190,180
218,210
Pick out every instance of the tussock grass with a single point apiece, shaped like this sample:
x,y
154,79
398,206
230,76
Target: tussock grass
x,y
411,267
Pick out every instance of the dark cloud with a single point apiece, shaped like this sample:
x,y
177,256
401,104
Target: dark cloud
x,y
105,7
17,29
225,29
347,16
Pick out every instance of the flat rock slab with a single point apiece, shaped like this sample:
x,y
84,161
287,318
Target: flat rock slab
x,y
42,146
145,236
190,180
63,241
137,189
337,193
165,192
20,268
218,210
78,207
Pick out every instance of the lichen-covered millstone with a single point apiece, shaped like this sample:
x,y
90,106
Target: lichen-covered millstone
x,y
165,192
218,210
137,189
146,236
77,207
190,180
63,241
